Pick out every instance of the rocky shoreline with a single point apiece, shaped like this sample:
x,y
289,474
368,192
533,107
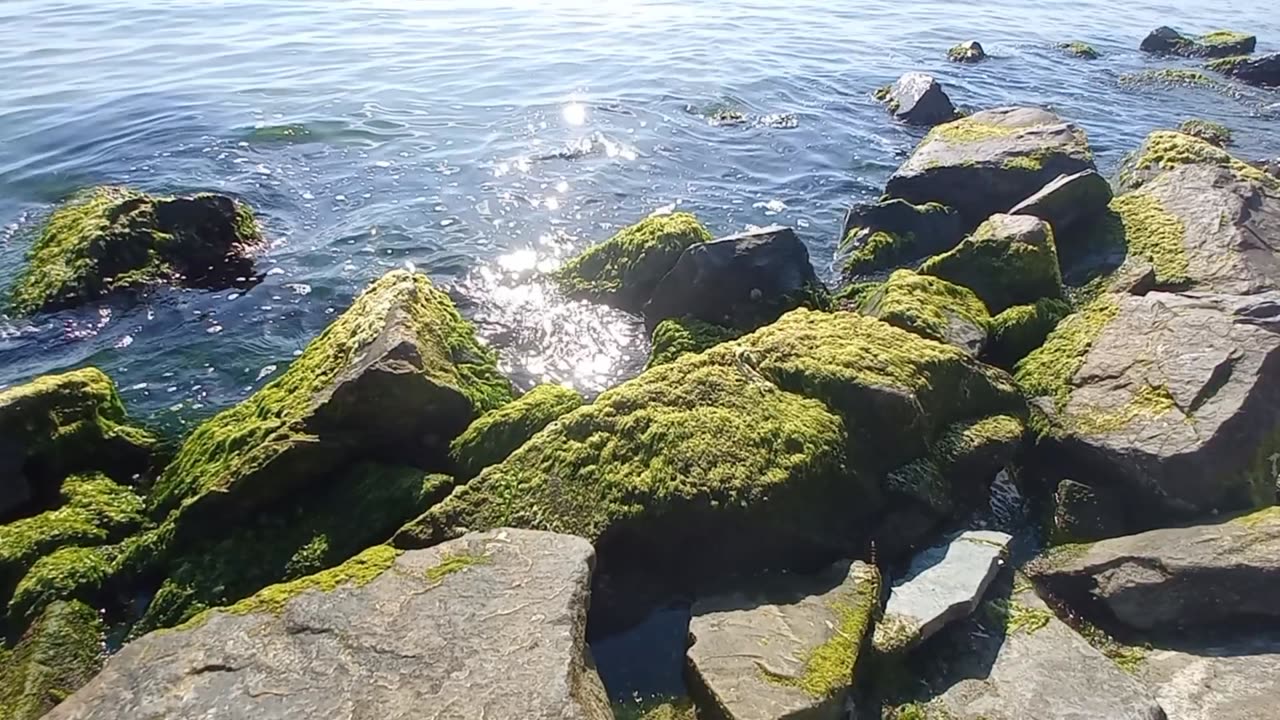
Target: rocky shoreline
x,y
388,529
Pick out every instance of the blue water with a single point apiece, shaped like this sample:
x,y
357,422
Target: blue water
x,y
483,143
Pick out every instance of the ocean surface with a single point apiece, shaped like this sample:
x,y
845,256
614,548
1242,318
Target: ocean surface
x,y
483,142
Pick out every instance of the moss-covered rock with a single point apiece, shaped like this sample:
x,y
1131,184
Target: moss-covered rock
x,y
889,234
969,51
624,270
1009,260
1171,78
932,308
1021,329
57,655
674,337
1263,71
1211,132
397,377
1082,50
1215,44
1164,150
68,573
60,424
113,238
497,433
771,444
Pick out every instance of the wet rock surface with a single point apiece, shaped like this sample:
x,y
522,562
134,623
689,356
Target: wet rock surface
x,y
918,99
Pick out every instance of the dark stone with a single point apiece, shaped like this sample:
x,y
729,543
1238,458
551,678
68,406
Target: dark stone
x,y
1166,41
918,99
1263,71
888,234
1218,44
969,51
1083,513
1068,201
742,281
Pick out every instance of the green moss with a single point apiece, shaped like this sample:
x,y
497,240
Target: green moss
x,y
894,634
968,130
925,305
1023,162
1219,38
1154,234
1015,617
882,93
1128,658
496,434
1048,370
625,269
1081,50
1147,402
67,573
674,337
1022,328
255,449
851,296
112,238
829,668
929,478
60,652
656,708
1265,516
1002,269
1167,149
919,711
1213,133
966,53
872,250
453,563
1226,64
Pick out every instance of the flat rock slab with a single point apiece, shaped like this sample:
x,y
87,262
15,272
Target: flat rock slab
x,y
761,654
1159,580
943,584
1235,679
490,625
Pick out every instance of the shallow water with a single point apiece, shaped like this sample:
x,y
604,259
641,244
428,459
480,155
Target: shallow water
x,y
483,143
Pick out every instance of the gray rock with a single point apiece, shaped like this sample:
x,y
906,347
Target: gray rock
x,y
1212,574
1009,260
1068,201
990,161
969,51
742,281
1227,679
752,651
889,234
1176,406
918,99
488,626
943,584
1263,70
1032,666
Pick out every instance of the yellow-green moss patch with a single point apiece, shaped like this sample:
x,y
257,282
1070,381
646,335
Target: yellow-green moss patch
x,y
60,652
968,130
1264,516
1081,50
925,305
656,708
496,434
67,573
454,562
1048,370
1215,134
1148,402
1015,617
1167,149
1154,234
1022,328
674,337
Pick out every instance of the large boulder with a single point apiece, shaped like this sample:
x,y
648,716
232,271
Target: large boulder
x,y
1171,435
786,647
1263,70
1165,150
490,625
742,281
1216,678
496,434
624,270
889,234
113,238
798,438
1219,43
918,99
60,424
56,656
932,308
674,337
398,376
1009,260
1069,201
990,161
1209,575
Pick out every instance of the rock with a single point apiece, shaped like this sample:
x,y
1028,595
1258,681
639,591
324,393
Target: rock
x,y
943,584
113,238
1165,150
1173,78
787,647
1160,580
1211,132
1263,71
1068,202
1009,260
1084,51
1015,661
967,52
740,456
888,234
742,281
624,270
1084,513
1217,44
498,433
990,161
56,656
918,99
674,337
1020,329
1234,678
491,625
60,424
397,376
1174,435
931,308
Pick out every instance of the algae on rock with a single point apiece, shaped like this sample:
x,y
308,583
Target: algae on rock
x,y
1009,260
59,653
931,307
1019,330
675,337
1167,149
496,434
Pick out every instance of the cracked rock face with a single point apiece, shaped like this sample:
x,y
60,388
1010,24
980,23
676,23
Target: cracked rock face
x,y
490,625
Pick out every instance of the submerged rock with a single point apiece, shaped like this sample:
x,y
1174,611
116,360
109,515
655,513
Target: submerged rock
x,y
1211,132
490,625
787,647
969,51
498,433
1216,44
1084,51
990,161
918,99
1009,260
1161,580
674,337
888,234
742,281
113,238
746,453
932,308
56,425
56,656
1263,71
624,270
1068,202
1224,678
